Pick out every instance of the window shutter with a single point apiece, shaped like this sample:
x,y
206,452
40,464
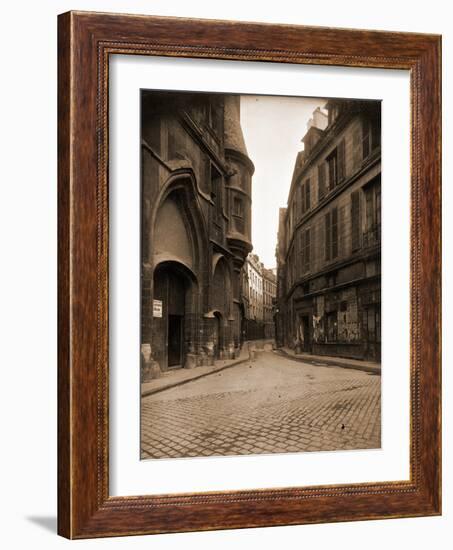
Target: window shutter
x,y
334,223
355,220
333,174
356,149
327,232
301,199
341,160
376,132
321,180
365,138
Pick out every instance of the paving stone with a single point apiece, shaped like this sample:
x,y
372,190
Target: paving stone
x,y
270,408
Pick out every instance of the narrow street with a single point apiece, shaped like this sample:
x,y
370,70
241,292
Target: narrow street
x,y
271,405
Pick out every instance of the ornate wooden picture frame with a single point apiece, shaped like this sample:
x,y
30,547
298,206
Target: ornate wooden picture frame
x,y
85,42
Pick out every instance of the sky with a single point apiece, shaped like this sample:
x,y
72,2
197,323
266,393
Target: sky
x,y
273,127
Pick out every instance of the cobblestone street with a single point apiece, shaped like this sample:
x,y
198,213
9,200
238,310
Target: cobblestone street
x,y
273,405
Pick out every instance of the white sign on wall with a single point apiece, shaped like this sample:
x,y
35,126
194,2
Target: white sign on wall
x,y
157,308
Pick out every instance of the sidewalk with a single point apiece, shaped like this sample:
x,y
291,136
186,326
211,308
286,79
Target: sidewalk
x,y
178,377
324,360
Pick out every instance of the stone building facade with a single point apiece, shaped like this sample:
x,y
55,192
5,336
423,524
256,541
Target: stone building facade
x,y
258,294
196,228
255,287
269,295
253,296
329,238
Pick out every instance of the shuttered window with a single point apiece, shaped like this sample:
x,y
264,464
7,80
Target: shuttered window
x,y
333,170
356,149
341,161
307,195
376,132
355,220
366,145
321,180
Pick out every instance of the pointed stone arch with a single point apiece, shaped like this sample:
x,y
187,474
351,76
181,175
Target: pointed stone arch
x,y
175,330
176,260
180,190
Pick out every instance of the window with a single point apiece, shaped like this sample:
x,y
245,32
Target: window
x,y
321,180
373,206
371,135
332,169
336,163
366,138
213,113
341,161
355,220
356,149
331,231
305,200
376,132
238,207
372,233
238,215
307,196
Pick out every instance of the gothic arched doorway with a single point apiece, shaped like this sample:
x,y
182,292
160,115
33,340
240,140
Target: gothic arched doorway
x,y
173,291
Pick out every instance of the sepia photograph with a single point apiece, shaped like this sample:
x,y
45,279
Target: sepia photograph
x,y
260,274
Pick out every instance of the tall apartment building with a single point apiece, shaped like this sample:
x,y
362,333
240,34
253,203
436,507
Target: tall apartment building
x,y
269,295
258,293
329,237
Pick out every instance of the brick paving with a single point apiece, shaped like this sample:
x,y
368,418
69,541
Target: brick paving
x,y
271,405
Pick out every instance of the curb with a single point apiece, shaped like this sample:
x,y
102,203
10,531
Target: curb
x,y
182,382
330,363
